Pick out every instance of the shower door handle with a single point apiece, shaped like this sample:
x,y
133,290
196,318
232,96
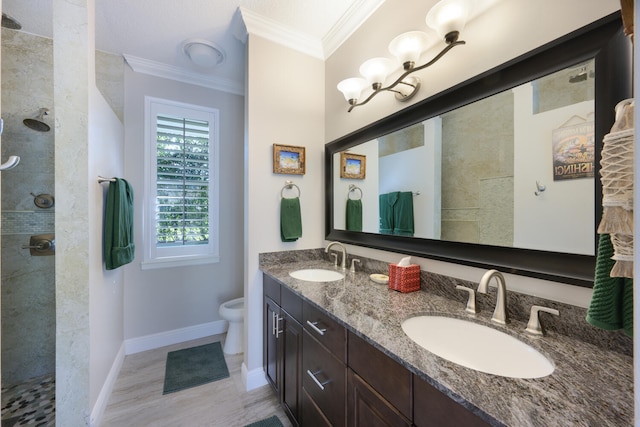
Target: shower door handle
x,y
11,163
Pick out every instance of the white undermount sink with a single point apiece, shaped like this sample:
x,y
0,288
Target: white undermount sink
x,y
317,275
477,347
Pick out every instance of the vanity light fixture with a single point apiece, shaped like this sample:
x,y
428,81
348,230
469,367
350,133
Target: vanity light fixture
x,y
447,18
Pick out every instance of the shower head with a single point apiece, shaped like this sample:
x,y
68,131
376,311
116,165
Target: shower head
x,y
37,123
9,22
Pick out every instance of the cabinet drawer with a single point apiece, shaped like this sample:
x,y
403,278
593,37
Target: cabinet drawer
x,y
435,409
324,379
326,330
385,375
271,288
291,303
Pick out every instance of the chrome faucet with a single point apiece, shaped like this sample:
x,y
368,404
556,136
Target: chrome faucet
x,y
500,312
343,264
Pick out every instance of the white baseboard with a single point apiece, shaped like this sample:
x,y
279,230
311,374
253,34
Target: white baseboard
x,y
254,378
150,342
103,398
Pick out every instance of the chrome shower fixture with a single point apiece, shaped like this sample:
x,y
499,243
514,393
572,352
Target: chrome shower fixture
x,y
9,22
38,124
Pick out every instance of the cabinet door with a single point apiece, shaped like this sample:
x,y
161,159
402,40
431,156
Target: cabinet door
x,y
367,408
432,408
272,348
291,366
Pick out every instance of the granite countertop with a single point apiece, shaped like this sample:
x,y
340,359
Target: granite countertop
x,y
590,386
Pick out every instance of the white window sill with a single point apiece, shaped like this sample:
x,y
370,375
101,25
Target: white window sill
x,y
178,262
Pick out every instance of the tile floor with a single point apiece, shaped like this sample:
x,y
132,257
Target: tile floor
x,y
137,398
30,403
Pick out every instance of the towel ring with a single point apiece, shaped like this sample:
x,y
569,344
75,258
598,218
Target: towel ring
x,y
289,185
352,189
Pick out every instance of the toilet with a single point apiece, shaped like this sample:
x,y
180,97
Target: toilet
x,y
233,312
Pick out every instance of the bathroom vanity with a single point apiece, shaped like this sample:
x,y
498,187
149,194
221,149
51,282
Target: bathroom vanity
x,y
336,354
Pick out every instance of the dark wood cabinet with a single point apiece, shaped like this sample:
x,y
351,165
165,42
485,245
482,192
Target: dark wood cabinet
x,y
324,380
325,376
367,407
291,366
282,355
272,348
435,409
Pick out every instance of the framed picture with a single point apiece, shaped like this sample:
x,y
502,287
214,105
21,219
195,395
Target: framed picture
x,y
288,159
352,165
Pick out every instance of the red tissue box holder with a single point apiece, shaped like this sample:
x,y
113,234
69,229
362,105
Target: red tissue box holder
x,y
404,279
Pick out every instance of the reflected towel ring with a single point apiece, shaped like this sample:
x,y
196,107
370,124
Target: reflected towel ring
x,y
352,189
287,186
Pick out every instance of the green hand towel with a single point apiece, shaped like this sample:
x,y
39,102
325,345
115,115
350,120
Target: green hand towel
x,y
118,225
387,201
403,214
354,215
611,306
290,219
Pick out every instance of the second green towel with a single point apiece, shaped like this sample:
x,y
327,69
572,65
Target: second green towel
x,y
354,215
290,219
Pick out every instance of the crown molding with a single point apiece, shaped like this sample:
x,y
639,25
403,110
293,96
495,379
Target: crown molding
x,y
353,18
158,69
272,30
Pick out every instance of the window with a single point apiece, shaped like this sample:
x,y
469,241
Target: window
x,y
181,172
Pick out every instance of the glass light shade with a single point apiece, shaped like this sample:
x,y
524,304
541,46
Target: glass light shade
x,y
376,70
352,88
408,47
448,16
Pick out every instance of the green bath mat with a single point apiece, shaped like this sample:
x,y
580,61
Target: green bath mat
x,y
268,422
194,366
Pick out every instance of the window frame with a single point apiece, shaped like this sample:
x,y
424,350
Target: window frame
x,y
177,256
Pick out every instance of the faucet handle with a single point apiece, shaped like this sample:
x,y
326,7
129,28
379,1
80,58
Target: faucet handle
x,y
471,302
353,265
534,327
335,259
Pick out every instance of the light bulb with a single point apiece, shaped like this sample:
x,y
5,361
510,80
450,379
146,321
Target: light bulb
x,y
376,70
408,47
448,18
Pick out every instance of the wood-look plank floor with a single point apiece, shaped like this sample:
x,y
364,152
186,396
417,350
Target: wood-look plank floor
x,y
137,398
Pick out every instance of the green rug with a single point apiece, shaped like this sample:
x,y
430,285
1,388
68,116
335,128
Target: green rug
x,y
194,366
268,422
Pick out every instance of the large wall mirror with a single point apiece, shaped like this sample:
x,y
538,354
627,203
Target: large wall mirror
x,y
501,171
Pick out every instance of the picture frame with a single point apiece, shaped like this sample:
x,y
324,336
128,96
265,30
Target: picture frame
x,y
353,166
288,159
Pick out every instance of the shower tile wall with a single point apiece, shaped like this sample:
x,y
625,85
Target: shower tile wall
x,y
28,282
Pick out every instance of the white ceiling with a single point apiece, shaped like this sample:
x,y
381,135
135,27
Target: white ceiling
x,y
154,30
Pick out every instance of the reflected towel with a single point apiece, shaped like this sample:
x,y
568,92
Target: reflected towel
x,y
290,219
354,215
611,306
118,225
403,214
387,202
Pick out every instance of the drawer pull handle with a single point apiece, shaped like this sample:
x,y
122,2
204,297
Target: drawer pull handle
x,y
278,330
313,377
315,328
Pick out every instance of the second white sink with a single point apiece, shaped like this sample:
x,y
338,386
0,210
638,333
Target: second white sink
x,y
316,275
477,347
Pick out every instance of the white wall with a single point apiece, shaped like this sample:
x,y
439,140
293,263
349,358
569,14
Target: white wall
x,y
562,216
284,105
106,147
167,299
503,32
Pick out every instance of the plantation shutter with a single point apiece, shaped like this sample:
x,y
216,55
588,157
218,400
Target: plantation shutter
x,y
182,190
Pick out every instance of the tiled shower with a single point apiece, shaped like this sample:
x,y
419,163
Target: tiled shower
x,y
27,282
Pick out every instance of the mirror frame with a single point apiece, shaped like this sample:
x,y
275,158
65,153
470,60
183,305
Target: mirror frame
x,y
603,40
